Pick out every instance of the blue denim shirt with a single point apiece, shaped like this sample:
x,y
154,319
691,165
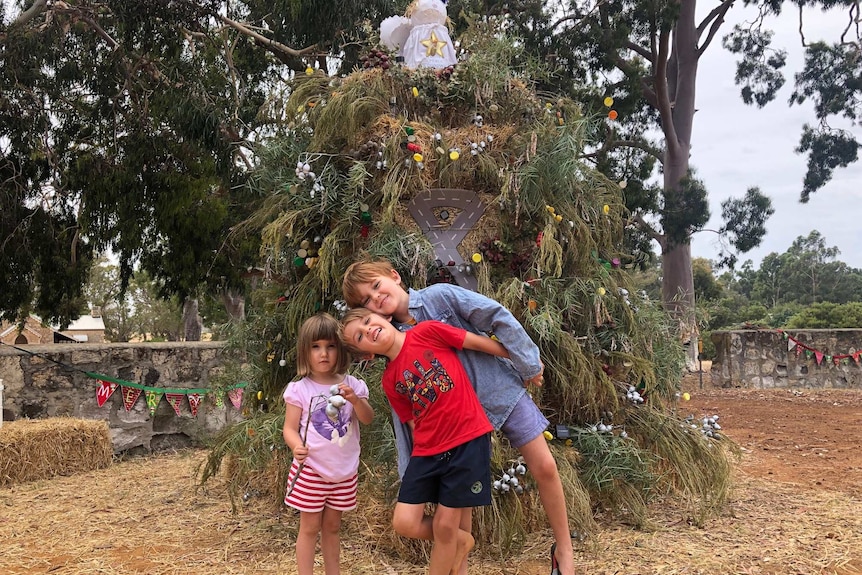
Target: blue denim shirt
x,y
499,382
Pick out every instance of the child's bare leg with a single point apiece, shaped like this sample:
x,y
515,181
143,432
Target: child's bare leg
x,y
446,537
330,541
543,467
409,520
306,540
465,542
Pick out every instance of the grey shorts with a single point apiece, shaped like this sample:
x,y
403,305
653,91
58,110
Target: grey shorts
x,y
525,423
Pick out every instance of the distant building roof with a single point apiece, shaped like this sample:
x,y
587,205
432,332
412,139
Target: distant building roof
x,y
86,323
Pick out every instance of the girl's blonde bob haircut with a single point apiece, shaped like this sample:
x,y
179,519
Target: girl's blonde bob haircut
x,y
320,326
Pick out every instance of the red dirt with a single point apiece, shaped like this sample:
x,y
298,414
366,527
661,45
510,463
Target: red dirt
x,y
806,437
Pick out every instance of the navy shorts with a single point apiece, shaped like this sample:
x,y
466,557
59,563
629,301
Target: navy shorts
x,y
460,477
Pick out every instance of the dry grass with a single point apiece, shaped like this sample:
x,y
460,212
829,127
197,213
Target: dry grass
x,y
147,515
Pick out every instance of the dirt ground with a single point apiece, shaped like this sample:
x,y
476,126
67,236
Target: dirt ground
x,y
796,509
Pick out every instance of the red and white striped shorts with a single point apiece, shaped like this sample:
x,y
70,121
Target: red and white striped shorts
x,y
312,493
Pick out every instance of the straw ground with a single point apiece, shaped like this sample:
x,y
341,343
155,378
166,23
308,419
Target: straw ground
x,y
795,509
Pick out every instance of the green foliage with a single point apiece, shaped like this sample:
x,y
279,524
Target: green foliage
x,y
826,315
830,78
745,222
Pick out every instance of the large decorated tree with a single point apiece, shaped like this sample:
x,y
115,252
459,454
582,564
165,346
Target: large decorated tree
x,y
466,174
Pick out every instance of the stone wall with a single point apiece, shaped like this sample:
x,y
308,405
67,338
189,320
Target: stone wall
x,y
769,358
49,381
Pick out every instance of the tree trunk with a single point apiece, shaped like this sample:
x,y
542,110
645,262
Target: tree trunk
x,y
677,288
677,277
234,305
192,322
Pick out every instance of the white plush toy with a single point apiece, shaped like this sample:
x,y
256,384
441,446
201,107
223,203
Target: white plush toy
x,y
422,37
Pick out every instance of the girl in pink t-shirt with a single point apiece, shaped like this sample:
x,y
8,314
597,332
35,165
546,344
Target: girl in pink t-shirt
x,y
323,409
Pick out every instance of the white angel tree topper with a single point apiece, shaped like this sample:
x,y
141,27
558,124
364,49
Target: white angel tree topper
x,y
421,37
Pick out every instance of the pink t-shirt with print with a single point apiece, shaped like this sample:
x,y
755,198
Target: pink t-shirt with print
x,y
333,445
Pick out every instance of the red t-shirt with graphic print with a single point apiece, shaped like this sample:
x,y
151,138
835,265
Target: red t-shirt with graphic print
x,y
427,383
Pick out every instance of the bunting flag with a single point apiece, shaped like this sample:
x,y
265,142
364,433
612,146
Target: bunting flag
x,y
132,391
153,399
104,391
819,356
235,396
130,396
194,402
175,400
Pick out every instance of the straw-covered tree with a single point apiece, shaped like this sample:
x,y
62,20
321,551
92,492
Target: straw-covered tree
x,y
467,174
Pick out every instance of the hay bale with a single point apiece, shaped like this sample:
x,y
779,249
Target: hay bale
x,y
44,448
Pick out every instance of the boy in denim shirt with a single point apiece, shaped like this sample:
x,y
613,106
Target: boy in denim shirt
x,y
376,285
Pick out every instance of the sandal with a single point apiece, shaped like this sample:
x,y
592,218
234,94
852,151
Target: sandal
x,y
555,567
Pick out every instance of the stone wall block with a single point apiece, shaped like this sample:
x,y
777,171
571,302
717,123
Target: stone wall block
x,y
743,354
49,380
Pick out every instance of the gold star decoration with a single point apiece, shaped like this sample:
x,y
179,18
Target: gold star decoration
x,y
433,45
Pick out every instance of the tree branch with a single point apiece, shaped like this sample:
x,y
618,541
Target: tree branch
x,y
664,107
268,43
648,229
37,8
714,20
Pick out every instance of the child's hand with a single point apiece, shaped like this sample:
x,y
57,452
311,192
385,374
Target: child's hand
x,y
537,379
347,392
300,453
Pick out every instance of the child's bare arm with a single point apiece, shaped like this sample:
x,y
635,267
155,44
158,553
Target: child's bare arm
x,y
290,431
484,344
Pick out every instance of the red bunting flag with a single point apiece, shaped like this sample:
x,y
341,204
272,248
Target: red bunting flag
x,y
194,402
818,355
130,396
175,400
104,391
235,396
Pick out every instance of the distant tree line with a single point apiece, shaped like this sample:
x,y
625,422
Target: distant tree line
x,y
807,286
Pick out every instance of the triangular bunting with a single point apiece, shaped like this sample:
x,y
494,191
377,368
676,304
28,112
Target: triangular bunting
x,y
104,391
175,400
836,360
235,396
194,402
856,356
798,350
219,399
818,355
791,343
153,399
130,396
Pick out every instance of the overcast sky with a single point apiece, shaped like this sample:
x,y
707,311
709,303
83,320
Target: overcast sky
x,y
737,146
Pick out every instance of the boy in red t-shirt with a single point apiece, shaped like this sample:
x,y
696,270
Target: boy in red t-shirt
x,y
429,390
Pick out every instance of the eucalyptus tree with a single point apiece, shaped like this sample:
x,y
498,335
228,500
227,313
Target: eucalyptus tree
x,y
640,61
131,126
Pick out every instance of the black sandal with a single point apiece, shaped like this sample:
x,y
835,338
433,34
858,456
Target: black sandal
x,y
555,567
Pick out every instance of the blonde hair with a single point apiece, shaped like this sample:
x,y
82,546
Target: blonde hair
x,y
362,272
320,326
351,315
